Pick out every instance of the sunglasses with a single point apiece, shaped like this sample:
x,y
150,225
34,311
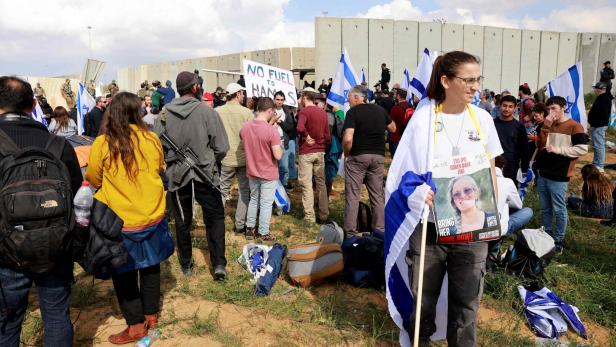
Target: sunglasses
x,y
466,191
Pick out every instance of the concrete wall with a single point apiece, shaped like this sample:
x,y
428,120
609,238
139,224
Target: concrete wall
x,y
510,57
53,87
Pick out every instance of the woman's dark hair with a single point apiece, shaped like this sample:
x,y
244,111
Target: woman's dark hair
x,y
60,114
122,111
500,162
16,95
279,93
525,89
264,104
446,65
597,187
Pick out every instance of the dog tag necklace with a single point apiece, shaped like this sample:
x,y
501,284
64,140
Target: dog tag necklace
x,y
455,149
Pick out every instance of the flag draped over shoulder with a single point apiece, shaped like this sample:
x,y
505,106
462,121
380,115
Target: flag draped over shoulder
x,y
569,85
419,84
408,182
85,102
344,80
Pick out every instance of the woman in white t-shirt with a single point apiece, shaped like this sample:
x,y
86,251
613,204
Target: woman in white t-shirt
x,y
460,128
61,123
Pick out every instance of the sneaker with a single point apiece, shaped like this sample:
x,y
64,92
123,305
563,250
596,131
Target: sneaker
x,y
220,273
240,231
187,272
250,233
309,220
558,249
267,238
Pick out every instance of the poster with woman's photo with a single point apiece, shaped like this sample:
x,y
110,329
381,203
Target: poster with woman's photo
x,y
465,204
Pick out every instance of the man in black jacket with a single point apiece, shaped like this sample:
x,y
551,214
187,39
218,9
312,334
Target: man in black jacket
x,y
53,287
385,77
93,120
286,127
607,75
513,139
598,119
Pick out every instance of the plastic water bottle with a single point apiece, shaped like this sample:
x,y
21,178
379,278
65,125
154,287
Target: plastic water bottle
x,y
147,341
83,202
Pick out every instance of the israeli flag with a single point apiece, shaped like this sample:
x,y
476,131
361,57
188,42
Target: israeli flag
x,y
344,80
408,182
363,75
406,84
281,198
85,102
569,85
419,84
37,114
476,100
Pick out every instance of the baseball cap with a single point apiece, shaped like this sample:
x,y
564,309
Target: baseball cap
x,y
309,90
185,80
208,96
233,88
600,85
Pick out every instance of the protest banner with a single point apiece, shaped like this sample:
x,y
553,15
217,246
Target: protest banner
x,y
464,203
265,80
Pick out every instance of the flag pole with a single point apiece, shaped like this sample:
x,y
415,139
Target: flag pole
x,y
422,256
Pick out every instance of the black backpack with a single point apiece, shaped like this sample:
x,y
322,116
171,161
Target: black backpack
x,y
36,213
364,264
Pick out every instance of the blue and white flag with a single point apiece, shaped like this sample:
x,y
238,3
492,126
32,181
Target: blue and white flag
x,y
419,84
406,85
281,198
85,102
408,182
344,80
569,85
476,100
363,75
37,114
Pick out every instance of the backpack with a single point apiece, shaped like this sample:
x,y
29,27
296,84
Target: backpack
x,y
311,263
364,264
36,214
529,255
364,218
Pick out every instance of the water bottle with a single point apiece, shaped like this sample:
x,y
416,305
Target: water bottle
x,y
148,340
83,202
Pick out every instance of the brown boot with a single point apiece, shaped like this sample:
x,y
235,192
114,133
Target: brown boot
x,y
151,320
132,333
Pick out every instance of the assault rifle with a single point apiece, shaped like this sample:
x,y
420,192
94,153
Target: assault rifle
x,y
186,156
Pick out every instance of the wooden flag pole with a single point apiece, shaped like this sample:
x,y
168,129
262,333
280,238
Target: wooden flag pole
x,y
422,256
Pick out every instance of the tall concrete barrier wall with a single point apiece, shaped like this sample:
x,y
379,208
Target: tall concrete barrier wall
x,y
509,57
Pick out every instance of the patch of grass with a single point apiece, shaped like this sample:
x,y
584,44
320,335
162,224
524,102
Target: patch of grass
x,y
203,326
83,294
490,337
32,329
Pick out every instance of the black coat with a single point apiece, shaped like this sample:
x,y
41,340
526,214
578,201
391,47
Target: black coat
x,y
105,250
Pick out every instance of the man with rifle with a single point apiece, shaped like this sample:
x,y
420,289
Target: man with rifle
x,y
197,142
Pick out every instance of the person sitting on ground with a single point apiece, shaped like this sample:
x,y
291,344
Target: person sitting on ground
x,y
596,200
61,124
125,165
513,216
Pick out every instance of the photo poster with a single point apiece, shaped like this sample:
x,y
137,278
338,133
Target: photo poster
x,y
465,208
265,80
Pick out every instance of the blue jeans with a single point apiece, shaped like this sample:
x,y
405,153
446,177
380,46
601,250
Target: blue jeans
x,y
53,295
286,165
598,146
261,200
517,221
553,204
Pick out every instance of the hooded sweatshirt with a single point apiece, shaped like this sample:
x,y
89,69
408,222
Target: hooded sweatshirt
x,y
190,122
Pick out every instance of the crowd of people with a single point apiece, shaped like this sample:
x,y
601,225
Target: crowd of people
x,y
264,143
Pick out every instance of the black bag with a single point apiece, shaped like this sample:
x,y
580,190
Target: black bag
x,y
529,255
364,264
364,218
36,212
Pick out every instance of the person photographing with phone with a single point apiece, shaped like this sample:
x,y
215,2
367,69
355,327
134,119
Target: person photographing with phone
x,y
559,143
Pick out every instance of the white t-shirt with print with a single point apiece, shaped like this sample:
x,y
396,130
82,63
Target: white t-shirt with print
x,y
280,113
462,125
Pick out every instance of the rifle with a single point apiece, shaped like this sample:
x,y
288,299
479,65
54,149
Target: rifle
x,y
188,157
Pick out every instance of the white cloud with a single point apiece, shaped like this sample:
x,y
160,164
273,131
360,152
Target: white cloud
x,y
396,9
576,18
51,37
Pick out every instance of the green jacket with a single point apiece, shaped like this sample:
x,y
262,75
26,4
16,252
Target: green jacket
x,y
157,97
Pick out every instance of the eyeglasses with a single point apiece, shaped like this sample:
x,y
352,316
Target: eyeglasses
x,y
466,191
470,80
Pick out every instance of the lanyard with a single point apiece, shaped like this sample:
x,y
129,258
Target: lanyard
x,y
438,110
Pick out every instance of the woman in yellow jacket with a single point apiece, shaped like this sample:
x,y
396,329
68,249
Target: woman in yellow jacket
x,y
125,163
